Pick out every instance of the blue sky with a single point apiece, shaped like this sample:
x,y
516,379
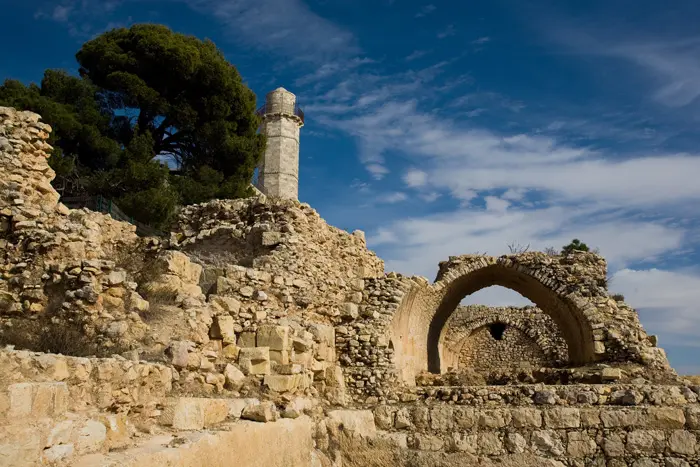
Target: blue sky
x,y
444,128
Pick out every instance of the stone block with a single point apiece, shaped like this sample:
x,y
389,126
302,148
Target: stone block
x,y
384,417
547,443
195,413
231,352
465,417
223,328
302,358
645,441
682,442
497,418
280,357
515,443
579,444
611,374
616,418
692,415
526,418
234,377
289,369
441,418
179,264
37,400
263,412
562,417
323,333
228,304
271,238
91,436
403,418
224,285
274,337
665,418
490,443
301,345
358,422
254,360
613,445
425,442
246,339
236,406
286,383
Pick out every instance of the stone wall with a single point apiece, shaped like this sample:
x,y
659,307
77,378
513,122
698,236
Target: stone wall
x,y
279,173
574,436
500,338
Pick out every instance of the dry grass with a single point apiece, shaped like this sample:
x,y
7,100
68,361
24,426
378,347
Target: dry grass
x,y
357,452
65,339
692,379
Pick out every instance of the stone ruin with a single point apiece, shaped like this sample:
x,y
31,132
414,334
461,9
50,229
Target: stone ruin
x,y
258,335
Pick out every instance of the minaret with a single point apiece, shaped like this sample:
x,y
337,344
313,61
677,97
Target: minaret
x,y
278,174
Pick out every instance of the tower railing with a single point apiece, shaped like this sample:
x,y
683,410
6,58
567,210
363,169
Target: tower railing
x,y
262,110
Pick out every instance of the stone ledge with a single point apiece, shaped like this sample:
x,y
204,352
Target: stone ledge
x,y
281,444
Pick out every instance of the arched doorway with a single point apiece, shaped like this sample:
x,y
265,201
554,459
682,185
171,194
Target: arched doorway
x,y
545,293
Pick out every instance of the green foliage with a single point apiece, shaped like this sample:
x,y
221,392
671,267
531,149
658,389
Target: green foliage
x,y
145,93
575,245
184,93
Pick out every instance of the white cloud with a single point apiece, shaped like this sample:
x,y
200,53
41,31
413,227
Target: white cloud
x,y
393,198
415,245
377,170
496,204
415,178
667,301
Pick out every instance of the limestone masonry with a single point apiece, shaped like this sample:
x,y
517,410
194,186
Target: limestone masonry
x,y
281,121
258,335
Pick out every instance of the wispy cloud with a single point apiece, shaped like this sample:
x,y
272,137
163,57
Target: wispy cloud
x,y
416,54
674,65
426,10
83,18
286,27
61,13
481,40
393,198
447,32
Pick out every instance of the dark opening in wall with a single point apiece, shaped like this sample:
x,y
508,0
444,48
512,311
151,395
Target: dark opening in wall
x,y
497,330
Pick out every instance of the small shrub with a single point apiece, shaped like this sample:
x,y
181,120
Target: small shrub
x,y
575,245
618,297
158,298
62,338
551,251
517,248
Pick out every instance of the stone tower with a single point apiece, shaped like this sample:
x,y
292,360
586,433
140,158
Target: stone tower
x,y
278,174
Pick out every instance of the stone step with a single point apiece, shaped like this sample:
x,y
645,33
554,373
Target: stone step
x,y
284,443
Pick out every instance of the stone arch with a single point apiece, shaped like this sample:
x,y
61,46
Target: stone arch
x,y
459,278
531,321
